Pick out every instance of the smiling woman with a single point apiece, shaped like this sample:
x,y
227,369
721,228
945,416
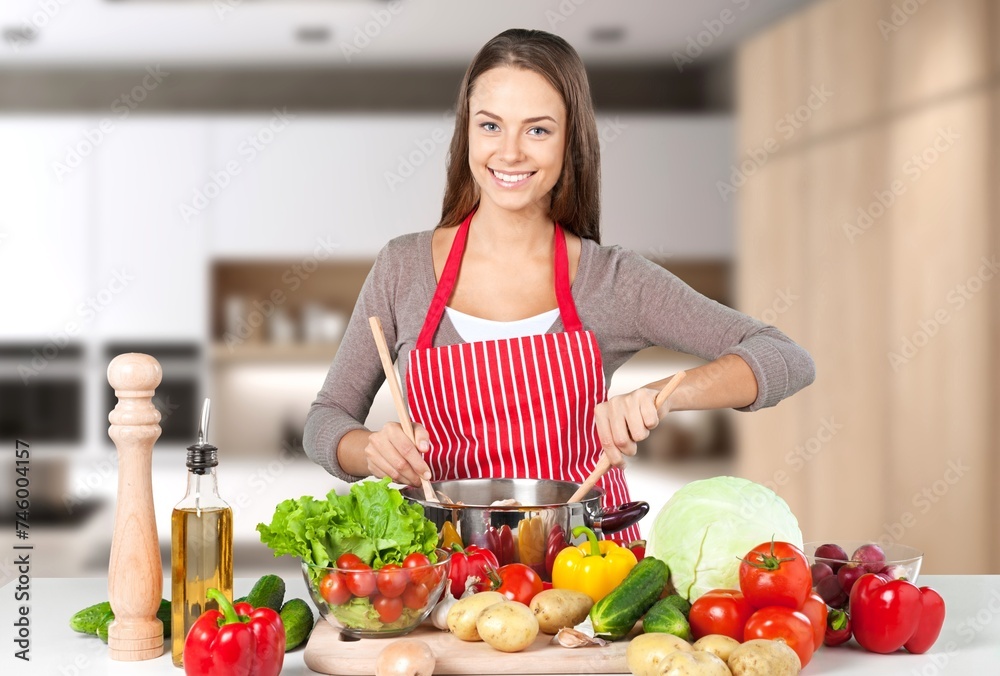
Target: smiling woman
x,y
509,318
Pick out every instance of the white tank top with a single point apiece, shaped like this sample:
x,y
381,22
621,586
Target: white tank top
x,y
475,329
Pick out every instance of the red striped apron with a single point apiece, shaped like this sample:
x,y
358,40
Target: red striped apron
x,y
512,408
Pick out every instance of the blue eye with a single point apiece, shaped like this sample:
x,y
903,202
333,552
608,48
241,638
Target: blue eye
x,y
486,125
541,129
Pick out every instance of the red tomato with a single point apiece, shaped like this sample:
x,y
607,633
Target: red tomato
x,y
815,609
775,574
345,561
415,596
519,582
388,609
391,580
789,625
418,567
360,580
720,611
333,588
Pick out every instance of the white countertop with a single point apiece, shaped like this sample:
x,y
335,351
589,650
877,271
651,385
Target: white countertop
x,y
969,642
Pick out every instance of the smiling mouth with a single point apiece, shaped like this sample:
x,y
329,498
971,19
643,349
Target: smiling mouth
x,y
511,179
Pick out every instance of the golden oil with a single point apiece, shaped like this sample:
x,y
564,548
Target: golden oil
x,y
201,557
201,542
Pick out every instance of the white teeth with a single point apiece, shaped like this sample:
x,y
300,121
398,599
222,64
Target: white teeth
x,y
510,178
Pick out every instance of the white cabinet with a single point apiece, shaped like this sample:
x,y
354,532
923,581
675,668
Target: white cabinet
x,y
151,262
660,192
45,248
332,185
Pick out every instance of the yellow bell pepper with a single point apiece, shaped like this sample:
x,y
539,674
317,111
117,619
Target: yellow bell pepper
x,y
531,541
594,568
450,536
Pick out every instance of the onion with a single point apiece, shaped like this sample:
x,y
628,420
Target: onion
x,y
405,657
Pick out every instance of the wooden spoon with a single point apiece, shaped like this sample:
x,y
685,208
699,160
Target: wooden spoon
x,y
603,465
397,396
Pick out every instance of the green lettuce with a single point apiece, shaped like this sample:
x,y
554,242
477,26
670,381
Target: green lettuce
x,y
708,526
372,521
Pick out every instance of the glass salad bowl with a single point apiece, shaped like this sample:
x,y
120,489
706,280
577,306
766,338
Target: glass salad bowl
x,y
388,601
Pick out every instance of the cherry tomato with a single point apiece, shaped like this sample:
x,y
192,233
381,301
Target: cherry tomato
x,y
348,560
333,588
720,611
789,625
815,609
415,596
417,565
391,580
388,609
775,574
360,580
519,582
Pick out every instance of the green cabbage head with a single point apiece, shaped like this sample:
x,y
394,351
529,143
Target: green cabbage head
x,y
708,526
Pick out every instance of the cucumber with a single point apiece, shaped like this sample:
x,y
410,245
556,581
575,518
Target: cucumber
x,y
89,619
269,592
614,616
297,617
666,618
95,619
242,599
678,602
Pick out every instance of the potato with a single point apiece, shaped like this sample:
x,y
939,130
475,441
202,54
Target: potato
x,y
646,651
717,644
558,608
697,663
762,657
463,615
510,627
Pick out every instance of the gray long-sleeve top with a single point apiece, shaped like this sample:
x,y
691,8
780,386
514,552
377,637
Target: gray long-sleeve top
x,y
628,302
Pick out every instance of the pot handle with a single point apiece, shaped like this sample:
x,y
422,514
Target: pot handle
x,y
621,517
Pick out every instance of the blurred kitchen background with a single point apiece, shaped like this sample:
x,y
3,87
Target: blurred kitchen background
x,y
208,181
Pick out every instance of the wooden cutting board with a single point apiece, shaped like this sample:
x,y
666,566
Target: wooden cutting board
x,y
328,653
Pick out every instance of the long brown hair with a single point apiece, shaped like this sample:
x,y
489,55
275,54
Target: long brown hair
x,y
576,196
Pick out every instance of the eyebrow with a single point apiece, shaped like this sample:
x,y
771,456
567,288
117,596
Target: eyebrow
x,y
529,120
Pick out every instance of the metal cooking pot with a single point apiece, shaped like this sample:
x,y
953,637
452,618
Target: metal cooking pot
x,y
542,520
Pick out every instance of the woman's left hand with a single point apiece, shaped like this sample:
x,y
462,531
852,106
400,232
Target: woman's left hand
x,y
624,420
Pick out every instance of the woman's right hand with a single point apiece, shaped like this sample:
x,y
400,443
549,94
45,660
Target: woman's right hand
x,y
390,453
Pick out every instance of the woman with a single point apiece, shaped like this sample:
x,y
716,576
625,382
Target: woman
x,y
509,318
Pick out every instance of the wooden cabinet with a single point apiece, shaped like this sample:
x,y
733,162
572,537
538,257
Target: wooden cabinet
x,y
770,282
895,251
943,273
936,48
151,261
846,55
46,181
771,85
846,245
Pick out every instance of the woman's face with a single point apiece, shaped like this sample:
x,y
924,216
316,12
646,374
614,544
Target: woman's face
x,y
517,134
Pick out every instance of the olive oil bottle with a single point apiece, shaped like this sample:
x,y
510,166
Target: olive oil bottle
x,y
201,542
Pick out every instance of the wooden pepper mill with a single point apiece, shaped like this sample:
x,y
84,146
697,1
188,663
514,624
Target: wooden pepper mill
x,y
135,575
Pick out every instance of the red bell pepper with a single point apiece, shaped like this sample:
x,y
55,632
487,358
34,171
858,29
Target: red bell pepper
x,y
931,621
838,628
235,641
500,541
638,547
471,561
889,615
555,543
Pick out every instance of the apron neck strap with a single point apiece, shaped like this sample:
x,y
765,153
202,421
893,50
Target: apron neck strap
x,y
449,276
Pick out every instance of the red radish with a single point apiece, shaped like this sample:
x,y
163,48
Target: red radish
x,y
870,556
849,574
835,554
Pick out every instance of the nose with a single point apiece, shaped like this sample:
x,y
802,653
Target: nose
x,y
510,149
